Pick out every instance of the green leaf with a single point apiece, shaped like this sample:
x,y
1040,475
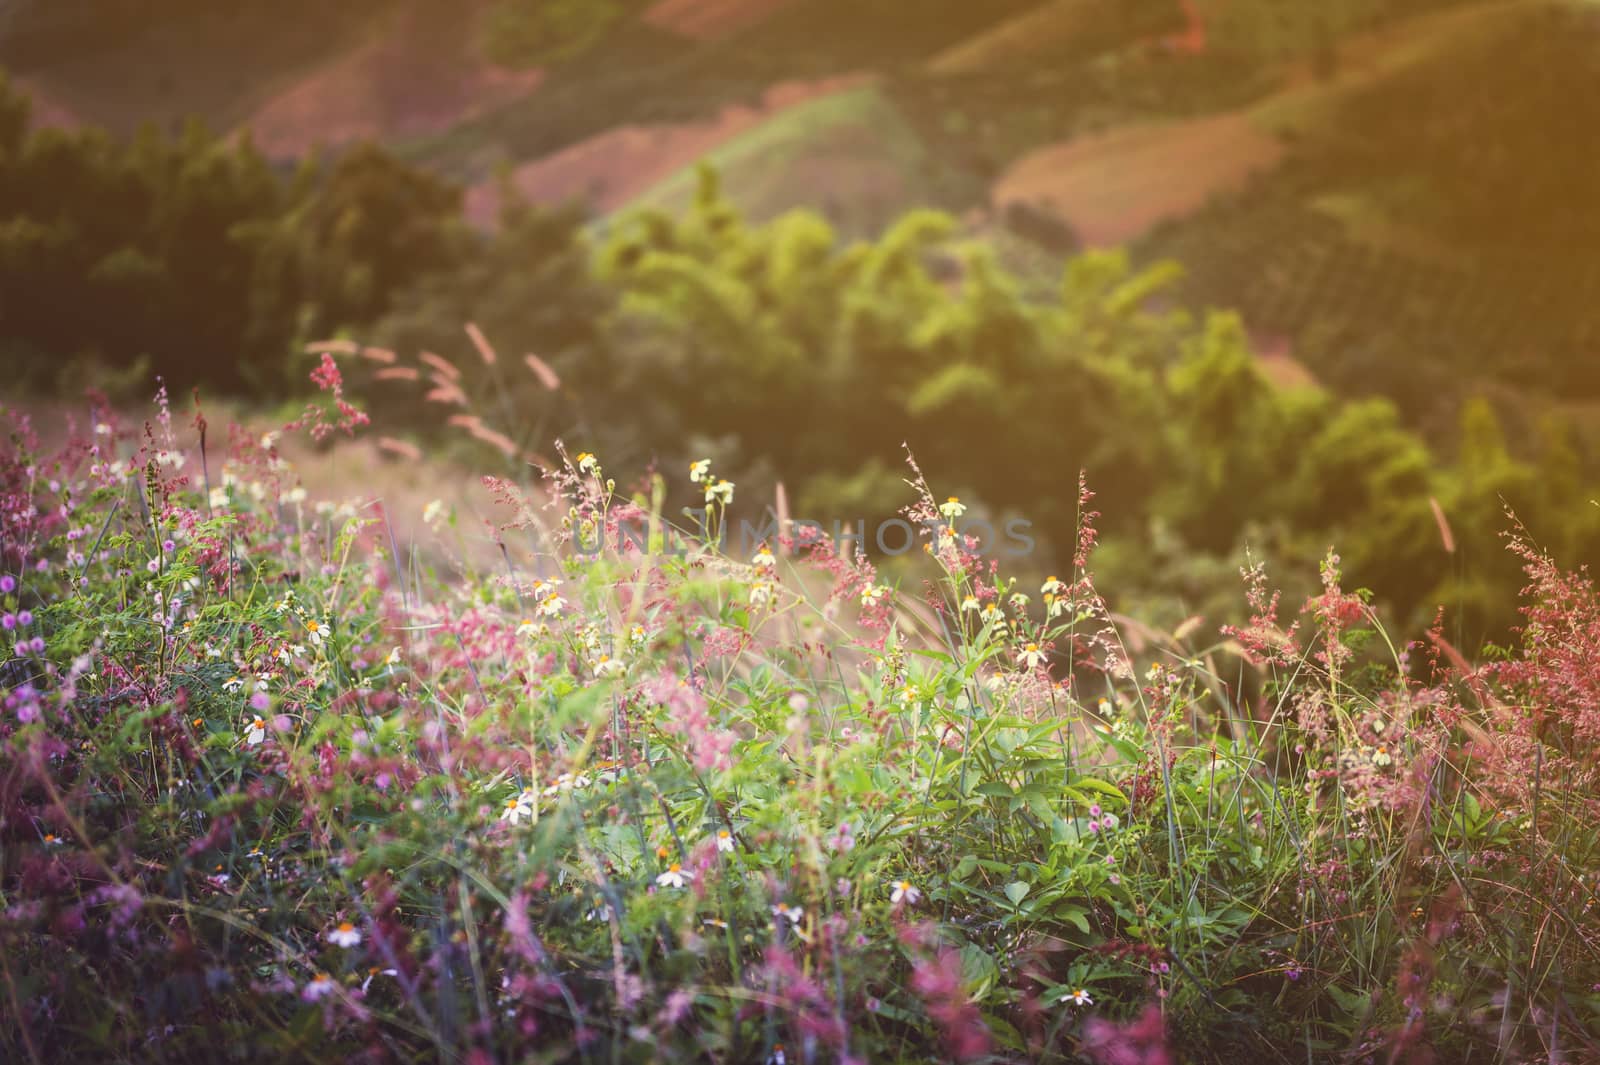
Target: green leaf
x,y
1075,915
1101,786
1016,891
978,971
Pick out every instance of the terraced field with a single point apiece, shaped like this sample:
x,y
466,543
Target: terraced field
x,y
850,153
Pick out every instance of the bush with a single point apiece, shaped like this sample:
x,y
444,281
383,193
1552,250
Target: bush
x,y
266,793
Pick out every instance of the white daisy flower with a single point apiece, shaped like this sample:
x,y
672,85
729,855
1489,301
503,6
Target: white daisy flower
x,y
551,605
793,913
587,463
375,971
873,594
1052,586
760,593
315,631
970,603
1031,656
700,471
1080,997
725,841
518,808
952,508
433,511
764,559
721,492
256,732
676,876
321,986
346,935
567,782
902,891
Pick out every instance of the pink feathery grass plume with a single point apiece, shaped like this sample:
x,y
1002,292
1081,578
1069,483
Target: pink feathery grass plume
x,y
475,427
445,390
481,342
405,450
443,366
541,369
332,347
1445,536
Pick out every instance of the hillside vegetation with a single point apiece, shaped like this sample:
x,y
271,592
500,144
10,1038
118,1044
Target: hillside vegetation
x,y
272,790
800,532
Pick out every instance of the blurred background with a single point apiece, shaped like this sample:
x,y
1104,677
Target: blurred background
x,y
1279,276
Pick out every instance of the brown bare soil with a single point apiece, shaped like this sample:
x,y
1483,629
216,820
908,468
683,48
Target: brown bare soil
x,y
421,74
1112,187
709,20
611,169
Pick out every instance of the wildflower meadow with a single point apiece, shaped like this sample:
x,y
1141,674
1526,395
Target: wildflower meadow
x,y
273,788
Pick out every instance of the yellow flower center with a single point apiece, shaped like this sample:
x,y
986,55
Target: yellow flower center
x,y
346,927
